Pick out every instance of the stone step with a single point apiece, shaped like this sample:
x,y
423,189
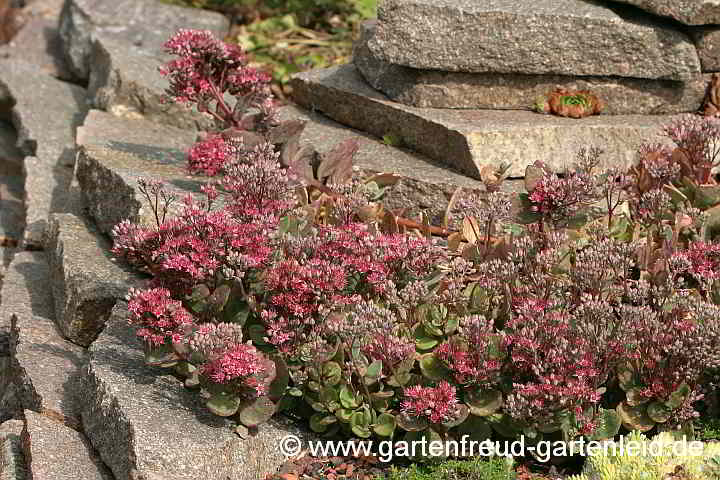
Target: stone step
x,y
469,139
143,23
515,91
689,12
45,112
12,459
425,185
114,153
43,367
145,424
54,451
563,37
118,47
86,280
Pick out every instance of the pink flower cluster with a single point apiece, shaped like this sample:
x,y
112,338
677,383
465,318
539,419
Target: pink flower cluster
x,y
207,68
317,271
557,198
704,260
554,364
157,317
474,356
190,248
436,404
209,156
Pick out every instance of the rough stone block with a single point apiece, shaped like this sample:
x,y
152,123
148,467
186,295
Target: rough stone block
x,y
39,44
43,367
147,425
689,12
563,37
707,42
469,139
45,113
86,281
146,23
54,451
514,91
12,210
114,153
12,460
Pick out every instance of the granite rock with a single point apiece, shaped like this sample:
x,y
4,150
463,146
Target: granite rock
x,y
689,12
45,113
43,368
12,460
12,210
563,37
469,139
86,281
146,23
39,44
114,153
146,425
55,451
514,91
707,42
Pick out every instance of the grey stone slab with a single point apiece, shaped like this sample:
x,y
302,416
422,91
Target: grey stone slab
x,y
12,459
125,80
689,12
563,37
38,43
146,425
114,153
86,280
12,211
707,42
43,367
45,113
515,91
146,23
9,152
425,186
55,451
469,139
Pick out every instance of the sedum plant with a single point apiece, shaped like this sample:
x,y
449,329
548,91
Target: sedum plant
x,y
570,103
583,306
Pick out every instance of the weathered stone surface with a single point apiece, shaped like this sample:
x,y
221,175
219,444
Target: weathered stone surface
x,y
146,23
55,451
513,91
125,80
12,460
46,112
12,211
425,185
689,12
43,367
38,43
707,42
86,281
564,37
146,425
115,152
470,139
